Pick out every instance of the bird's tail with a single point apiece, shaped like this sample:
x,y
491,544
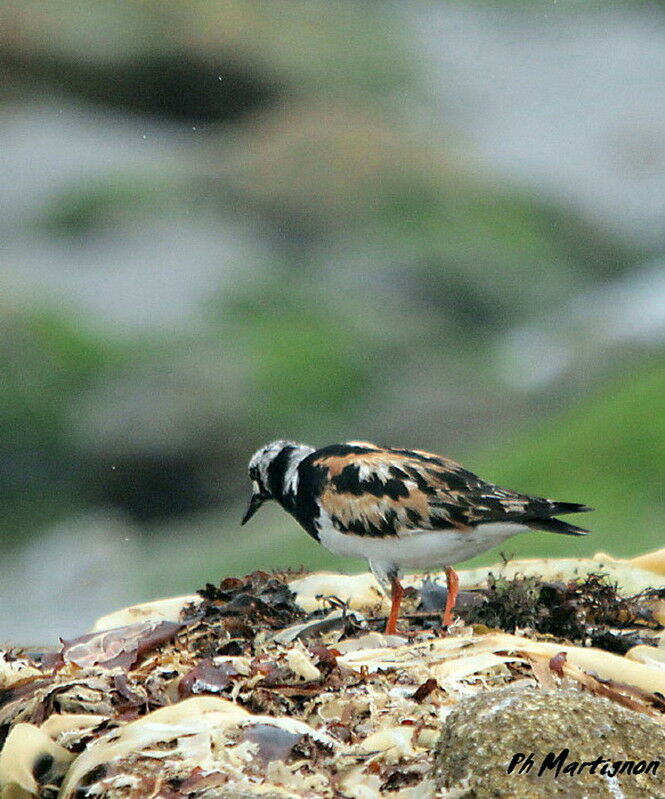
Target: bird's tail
x,y
562,508
557,526
552,525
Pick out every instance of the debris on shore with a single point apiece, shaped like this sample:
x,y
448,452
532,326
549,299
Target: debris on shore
x,y
285,685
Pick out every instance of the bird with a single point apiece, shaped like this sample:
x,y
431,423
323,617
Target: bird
x,y
398,508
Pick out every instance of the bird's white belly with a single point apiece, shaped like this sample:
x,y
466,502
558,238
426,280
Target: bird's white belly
x,y
420,549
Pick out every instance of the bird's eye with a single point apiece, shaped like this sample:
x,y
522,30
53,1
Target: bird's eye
x,y
253,473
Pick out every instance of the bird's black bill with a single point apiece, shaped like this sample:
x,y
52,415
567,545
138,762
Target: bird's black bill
x,y
254,504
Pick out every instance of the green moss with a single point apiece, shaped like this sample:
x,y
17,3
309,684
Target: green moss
x,y
607,452
308,364
85,207
46,362
487,257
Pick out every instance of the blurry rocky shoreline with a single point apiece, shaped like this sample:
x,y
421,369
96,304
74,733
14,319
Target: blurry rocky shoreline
x,y
434,224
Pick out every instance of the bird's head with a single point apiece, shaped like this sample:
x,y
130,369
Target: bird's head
x,y
272,470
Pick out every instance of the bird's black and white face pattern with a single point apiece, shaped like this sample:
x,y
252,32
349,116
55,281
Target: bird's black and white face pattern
x,y
273,472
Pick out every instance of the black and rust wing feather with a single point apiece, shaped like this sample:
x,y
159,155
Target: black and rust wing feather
x,y
377,491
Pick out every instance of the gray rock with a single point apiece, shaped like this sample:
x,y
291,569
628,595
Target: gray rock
x,y
485,733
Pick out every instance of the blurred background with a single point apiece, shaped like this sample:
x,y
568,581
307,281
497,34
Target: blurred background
x,y
428,224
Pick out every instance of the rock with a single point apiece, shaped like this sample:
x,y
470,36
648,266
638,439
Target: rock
x,y
484,734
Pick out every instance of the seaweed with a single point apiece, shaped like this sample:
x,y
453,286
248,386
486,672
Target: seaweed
x,y
588,610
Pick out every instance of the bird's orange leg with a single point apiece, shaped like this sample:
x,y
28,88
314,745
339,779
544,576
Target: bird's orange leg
x,y
452,581
397,592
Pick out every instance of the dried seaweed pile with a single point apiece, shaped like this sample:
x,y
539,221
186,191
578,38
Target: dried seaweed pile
x,y
247,691
588,611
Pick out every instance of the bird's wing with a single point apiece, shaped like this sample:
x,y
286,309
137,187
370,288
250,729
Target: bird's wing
x,y
377,491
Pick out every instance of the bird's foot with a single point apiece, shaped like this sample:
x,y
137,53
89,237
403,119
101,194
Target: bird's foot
x,y
448,626
447,620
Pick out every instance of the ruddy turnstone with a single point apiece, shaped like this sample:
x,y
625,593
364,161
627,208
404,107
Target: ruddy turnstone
x,y
399,508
